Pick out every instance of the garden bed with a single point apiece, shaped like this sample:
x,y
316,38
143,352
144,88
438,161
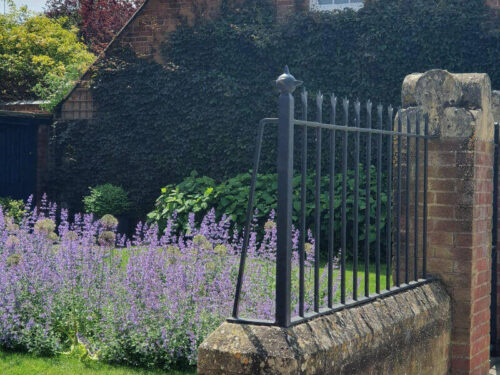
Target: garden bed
x,y
77,288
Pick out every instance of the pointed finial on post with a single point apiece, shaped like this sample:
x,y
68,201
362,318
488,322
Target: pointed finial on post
x,y
357,106
345,104
319,98
303,96
333,100
286,83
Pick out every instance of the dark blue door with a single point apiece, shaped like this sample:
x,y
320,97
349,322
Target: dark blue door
x,y
18,156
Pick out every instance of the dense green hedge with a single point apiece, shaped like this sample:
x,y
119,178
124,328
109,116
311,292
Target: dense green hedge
x,y
155,124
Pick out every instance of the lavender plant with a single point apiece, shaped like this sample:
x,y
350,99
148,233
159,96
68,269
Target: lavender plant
x,y
78,287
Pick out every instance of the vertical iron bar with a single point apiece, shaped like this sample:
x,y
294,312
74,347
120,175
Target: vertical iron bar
x,y
368,197
424,214
417,167
331,200
398,201
249,218
388,225
357,108
286,84
407,194
344,202
379,198
317,221
494,238
303,202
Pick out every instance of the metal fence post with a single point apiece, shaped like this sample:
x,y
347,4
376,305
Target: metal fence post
x,y
286,84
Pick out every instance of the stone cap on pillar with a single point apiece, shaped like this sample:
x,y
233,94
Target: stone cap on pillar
x,y
495,103
458,105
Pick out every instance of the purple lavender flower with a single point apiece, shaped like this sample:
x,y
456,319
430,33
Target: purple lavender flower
x,y
146,301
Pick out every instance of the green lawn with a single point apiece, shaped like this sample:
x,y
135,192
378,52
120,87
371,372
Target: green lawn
x,y
348,279
25,364
361,274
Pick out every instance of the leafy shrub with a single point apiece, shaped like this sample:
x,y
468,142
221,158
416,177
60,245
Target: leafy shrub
x,y
12,208
199,111
39,57
106,199
149,303
193,195
198,194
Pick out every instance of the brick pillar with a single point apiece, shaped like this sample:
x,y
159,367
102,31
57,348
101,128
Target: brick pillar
x,y
459,202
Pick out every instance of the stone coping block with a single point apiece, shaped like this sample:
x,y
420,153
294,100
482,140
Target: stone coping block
x,y
459,105
495,105
405,333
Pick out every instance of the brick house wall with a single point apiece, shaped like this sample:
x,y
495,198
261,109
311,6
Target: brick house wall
x,y
144,33
149,26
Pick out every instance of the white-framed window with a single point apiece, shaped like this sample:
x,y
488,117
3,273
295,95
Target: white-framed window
x,y
335,4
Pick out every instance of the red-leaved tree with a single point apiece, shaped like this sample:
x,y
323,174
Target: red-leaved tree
x,y
98,20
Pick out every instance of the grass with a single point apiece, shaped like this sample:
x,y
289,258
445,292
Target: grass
x,y
26,364
361,273
349,280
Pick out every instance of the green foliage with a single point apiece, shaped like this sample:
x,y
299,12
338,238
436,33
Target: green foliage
x,y
13,208
106,199
39,57
199,111
199,194
194,194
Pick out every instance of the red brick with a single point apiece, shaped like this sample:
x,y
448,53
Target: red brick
x,y
463,239
481,304
452,225
441,211
483,277
481,317
480,345
460,364
460,350
481,358
480,331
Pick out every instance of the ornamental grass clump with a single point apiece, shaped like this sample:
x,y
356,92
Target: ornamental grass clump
x,y
148,301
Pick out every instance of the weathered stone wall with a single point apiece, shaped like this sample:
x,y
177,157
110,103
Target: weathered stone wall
x,y
406,333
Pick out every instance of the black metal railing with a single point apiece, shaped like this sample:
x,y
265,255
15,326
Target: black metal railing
x,y
398,241
494,342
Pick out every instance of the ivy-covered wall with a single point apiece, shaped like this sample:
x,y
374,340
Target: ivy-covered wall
x,y
154,123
